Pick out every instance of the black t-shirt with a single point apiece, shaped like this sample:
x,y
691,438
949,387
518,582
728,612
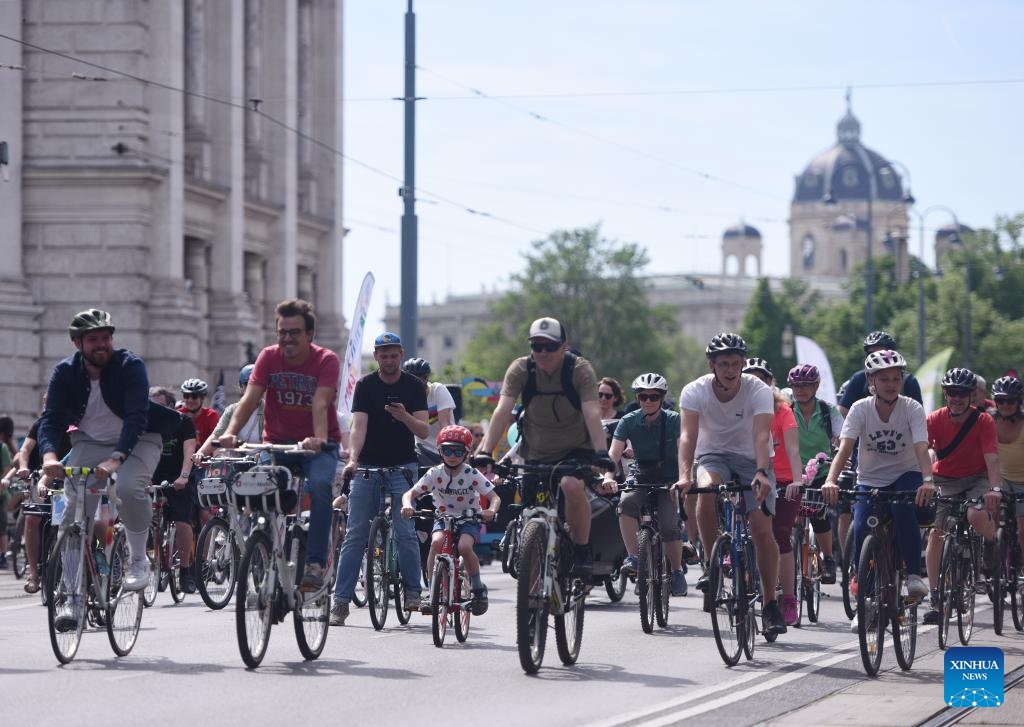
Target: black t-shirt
x,y
857,389
388,441
172,459
35,460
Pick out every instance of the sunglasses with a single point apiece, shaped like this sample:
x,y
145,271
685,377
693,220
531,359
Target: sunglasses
x,y
957,393
649,397
452,450
192,396
546,347
290,333
1003,400
605,395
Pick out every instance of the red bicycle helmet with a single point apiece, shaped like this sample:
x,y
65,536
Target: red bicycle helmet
x,y
455,434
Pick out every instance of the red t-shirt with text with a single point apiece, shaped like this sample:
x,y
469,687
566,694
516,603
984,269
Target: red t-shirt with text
x,y
968,459
289,393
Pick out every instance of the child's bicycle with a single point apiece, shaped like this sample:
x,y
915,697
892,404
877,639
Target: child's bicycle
x,y
451,593
653,573
274,558
84,584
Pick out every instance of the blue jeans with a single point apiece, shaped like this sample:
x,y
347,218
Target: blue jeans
x,y
363,506
904,516
319,470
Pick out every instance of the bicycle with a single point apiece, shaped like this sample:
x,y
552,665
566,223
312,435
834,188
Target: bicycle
x,y
163,558
882,597
961,549
49,511
451,593
274,558
808,562
509,544
653,573
86,585
1010,564
847,575
733,581
545,584
381,571
222,538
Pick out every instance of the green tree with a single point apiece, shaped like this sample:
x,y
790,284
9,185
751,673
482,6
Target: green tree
x,y
591,285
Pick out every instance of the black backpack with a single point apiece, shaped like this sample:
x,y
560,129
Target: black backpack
x,y
567,390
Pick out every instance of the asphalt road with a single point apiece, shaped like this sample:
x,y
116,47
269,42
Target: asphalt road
x,y
186,667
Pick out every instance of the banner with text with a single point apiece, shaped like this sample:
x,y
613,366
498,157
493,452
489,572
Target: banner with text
x,y
351,367
809,352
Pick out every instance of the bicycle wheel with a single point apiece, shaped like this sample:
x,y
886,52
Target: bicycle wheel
x,y
849,571
461,615
508,548
870,620
797,541
904,623
947,588
66,583
967,598
47,540
19,563
569,623
1014,583
726,622
376,573
997,583
254,598
812,586
615,585
359,593
531,601
216,563
153,584
746,575
173,563
440,606
398,594
124,608
645,580
662,584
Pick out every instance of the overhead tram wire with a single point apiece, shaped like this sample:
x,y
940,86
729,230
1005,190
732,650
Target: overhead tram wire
x,y
251,109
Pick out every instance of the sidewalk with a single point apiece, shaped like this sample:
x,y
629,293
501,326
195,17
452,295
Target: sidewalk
x,y
913,697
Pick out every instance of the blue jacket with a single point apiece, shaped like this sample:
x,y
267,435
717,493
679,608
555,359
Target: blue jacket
x,y
124,385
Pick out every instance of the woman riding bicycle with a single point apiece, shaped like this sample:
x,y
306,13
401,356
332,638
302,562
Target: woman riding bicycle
x,y
893,453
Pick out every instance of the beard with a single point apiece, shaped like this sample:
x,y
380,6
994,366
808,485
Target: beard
x,y
98,357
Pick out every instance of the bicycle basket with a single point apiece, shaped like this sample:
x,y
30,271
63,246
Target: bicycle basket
x,y
212,490
266,488
813,504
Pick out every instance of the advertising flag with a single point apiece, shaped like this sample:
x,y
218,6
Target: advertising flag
x,y
351,366
929,377
809,352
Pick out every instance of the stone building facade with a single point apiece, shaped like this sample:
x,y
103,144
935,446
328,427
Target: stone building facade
x,y
188,215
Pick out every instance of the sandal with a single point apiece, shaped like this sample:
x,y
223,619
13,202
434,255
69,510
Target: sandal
x,y
32,585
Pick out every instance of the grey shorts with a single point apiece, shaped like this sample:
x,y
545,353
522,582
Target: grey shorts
x,y
1015,488
971,487
727,466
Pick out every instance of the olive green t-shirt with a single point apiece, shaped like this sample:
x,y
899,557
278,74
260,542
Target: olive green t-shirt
x,y
552,426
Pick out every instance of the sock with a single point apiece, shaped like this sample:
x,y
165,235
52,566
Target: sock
x,y
477,581
136,543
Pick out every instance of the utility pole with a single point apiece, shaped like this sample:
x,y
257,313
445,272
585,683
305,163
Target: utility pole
x,y
410,232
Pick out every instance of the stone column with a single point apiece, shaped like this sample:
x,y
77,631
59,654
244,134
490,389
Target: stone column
x,y
307,174
255,172
197,138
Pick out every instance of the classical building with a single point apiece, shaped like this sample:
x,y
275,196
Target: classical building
x,y
174,183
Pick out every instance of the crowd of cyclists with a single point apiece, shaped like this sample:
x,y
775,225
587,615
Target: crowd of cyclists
x,y
735,425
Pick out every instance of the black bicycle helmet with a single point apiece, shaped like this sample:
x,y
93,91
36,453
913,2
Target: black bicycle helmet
x,y
756,364
417,367
958,378
93,319
879,338
726,343
194,386
1008,386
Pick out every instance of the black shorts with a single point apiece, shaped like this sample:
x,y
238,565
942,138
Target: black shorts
x,y
181,505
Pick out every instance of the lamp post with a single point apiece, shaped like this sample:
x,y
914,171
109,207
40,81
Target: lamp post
x,y
920,283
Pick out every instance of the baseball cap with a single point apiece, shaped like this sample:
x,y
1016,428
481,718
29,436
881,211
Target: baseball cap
x,y
386,339
547,328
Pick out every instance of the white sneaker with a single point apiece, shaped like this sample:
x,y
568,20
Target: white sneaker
x,y
854,629
137,577
917,588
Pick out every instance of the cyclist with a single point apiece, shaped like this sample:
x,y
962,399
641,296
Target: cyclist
x,y
818,424
653,434
893,454
856,387
726,426
440,409
104,391
965,452
561,421
193,397
786,452
251,431
389,410
175,467
1008,394
456,488
300,380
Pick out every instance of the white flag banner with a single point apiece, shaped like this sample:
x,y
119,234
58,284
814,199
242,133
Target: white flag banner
x,y
351,367
809,352
929,377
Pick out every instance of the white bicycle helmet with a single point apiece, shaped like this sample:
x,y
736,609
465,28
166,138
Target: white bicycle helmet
x,y
650,381
881,360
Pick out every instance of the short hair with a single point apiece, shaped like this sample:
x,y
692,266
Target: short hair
x,y
6,428
616,390
298,307
162,391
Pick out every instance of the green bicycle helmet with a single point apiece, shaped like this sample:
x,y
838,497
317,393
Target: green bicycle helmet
x,y
92,319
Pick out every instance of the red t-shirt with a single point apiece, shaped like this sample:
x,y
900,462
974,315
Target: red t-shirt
x,y
968,459
783,421
289,393
205,421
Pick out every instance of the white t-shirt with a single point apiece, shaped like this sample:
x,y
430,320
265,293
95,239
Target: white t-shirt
x,y
99,423
886,450
453,494
438,399
727,427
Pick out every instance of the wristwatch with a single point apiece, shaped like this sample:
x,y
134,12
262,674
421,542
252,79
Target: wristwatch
x,y
119,456
762,470
929,478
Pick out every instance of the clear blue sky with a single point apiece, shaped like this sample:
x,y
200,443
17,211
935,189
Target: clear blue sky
x,y
664,120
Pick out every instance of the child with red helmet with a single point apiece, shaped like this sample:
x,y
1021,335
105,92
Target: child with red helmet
x,y
456,487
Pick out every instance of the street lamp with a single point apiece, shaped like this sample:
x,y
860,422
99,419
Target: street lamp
x,y
920,283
